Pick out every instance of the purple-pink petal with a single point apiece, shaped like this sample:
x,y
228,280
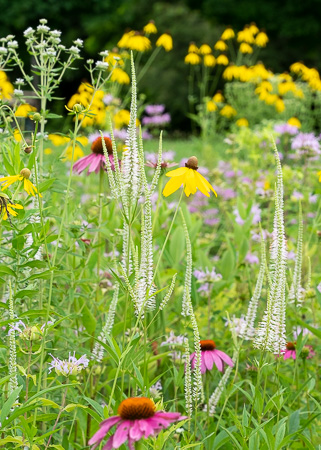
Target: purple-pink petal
x,y
105,426
208,359
83,163
135,432
109,444
121,434
146,428
217,360
169,415
224,357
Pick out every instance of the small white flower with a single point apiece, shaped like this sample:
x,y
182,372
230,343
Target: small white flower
x,y
9,37
42,29
20,81
3,51
43,21
79,42
18,92
90,61
55,33
61,47
51,52
74,50
101,65
12,44
29,32
105,53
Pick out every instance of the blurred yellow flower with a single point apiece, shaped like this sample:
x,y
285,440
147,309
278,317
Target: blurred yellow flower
x,y
211,106
245,48
205,49
114,59
165,41
228,111
297,67
266,185
6,88
245,36
220,45
253,28
78,152
294,121
228,34
222,60
24,110
189,178
319,173
230,72
192,58
10,208
279,105
243,122
123,43
218,97
192,48
209,60
150,28
139,43
17,135
261,39
58,140
120,76
48,151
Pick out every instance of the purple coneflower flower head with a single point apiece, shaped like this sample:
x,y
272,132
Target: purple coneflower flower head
x,y
137,419
286,128
210,356
153,110
290,352
96,160
71,367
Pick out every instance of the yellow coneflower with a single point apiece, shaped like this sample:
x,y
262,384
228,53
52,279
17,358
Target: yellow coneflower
x,y
230,72
120,76
193,48
221,46
24,110
6,88
150,28
245,36
192,58
209,60
294,121
189,178
17,135
246,48
123,43
205,49
228,34
242,122
222,60
279,105
228,111
165,41
139,43
211,106
24,176
114,59
297,67
58,140
7,207
218,97
253,28
261,39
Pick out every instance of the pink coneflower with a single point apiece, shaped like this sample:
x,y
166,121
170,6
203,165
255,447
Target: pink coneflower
x,y
209,356
137,419
96,160
307,351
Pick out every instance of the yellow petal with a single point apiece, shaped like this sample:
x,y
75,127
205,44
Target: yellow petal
x,y
203,181
172,185
190,182
16,206
177,172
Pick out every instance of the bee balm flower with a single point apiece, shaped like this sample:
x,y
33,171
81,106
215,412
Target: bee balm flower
x,y
136,419
189,178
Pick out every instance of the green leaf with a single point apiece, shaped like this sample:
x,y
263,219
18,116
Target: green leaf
x,y
8,404
7,270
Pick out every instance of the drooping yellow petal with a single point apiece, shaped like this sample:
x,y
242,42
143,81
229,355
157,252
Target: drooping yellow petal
x,y
190,186
172,185
177,172
201,181
9,180
30,188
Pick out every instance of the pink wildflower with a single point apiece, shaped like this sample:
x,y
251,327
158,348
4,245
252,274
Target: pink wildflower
x,y
96,160
137,419
210,355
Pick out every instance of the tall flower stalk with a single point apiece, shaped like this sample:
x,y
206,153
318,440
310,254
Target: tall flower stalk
x,y
296,290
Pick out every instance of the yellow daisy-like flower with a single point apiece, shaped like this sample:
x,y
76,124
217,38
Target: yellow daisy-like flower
x,y
192,48
150,28
58,140
220,45
245,48
253,28
24,110
222,60
218,97
205,49
230,72
211,106
120,76
139,43
245,36
17,135
319,173
243,122
261,39
123,43
209,60
279,105
165,40
228,34
6,88
24,176
294,121
192,58
228,111
189,178
11,210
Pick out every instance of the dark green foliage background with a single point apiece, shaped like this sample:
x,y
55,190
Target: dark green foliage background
x,y
294,28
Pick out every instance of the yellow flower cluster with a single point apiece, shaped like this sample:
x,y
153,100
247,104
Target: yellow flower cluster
x,y
86,97
24,110
310,75
58,141
6,88
212,105
194,54
137,41
122,118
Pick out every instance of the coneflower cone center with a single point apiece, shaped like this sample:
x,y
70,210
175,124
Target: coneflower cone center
x,y
290,345
97,146
192,163
135,408
207,345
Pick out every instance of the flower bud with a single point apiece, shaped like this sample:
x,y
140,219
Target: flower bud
x,y
77,108
28,150
192,163
305,352
31,334
36,117
25,173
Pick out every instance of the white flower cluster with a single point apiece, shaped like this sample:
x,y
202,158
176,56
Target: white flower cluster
x,y
188,271
188,380
271,332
